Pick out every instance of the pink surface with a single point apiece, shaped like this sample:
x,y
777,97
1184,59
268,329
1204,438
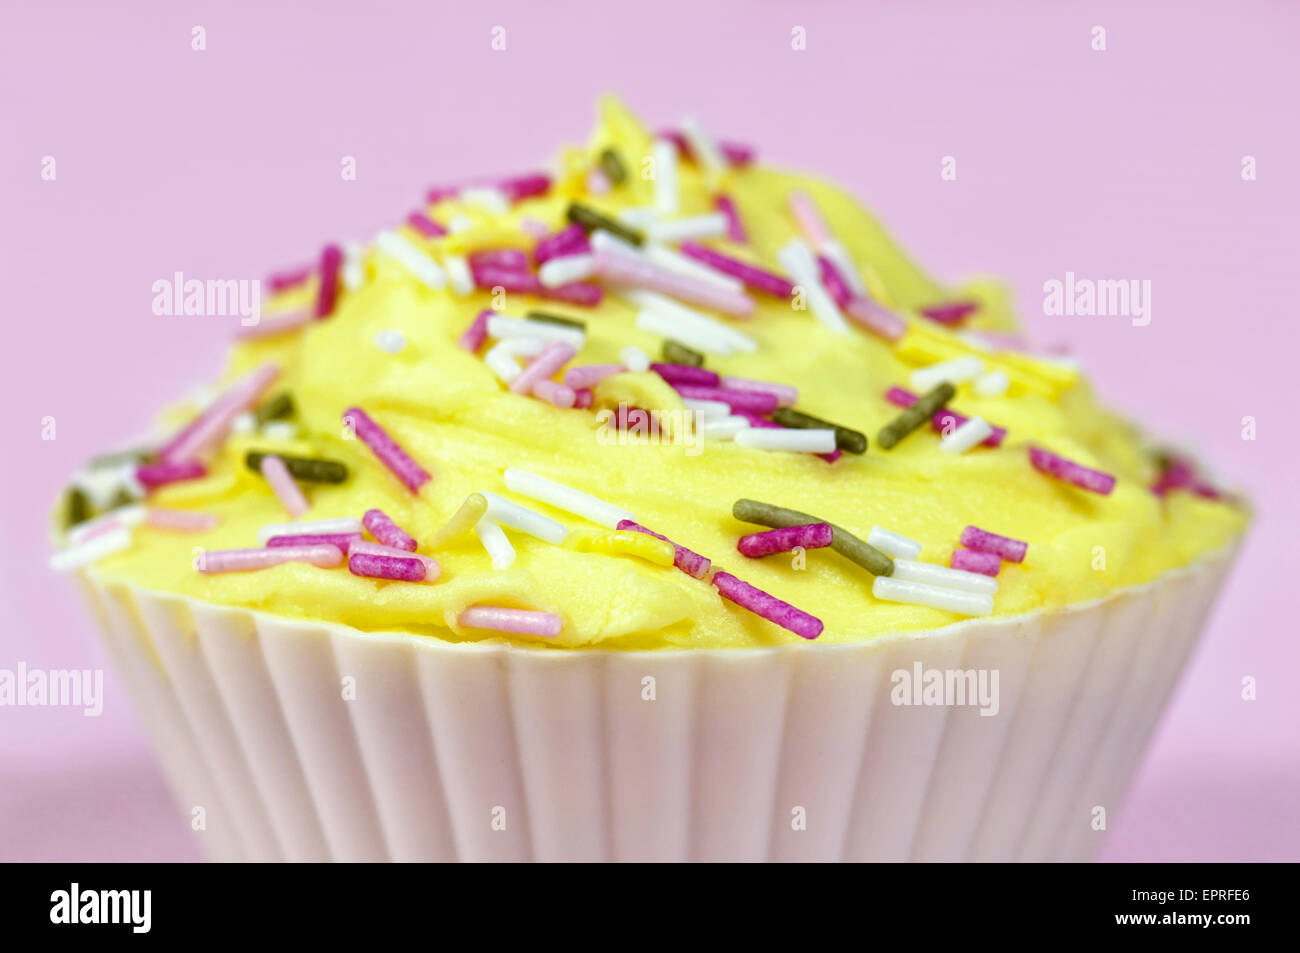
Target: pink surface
x,y
226,163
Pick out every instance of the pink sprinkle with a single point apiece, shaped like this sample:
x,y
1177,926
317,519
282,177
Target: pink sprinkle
x,y
691,563
282,482
598,182
625,270
432,569
876,319
575,292
476,333
785,394
376,566
950,312
289,278
733,152
520,621
1180,474
509,279
568,241
534,226
1061,468
154,475
513,259
211,425
583,397
756,278
768,606
985,564
808,217
526,186
386,531
943,418
836,286
553,357
331,258
274,324
752,401
553,393
809,536
185,521
735,230
982,541
425,225
440,193
342,540
586,375
686,374
387,449
239,560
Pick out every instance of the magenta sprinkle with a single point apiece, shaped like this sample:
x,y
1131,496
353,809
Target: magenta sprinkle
x,y
691,563
513,259
387,450
686,374
526,186
752,401
509,279
289,278
768,606
836,285
809,536
982,541
331,259
785,394
341,540
1061,468
950,312
567,241
476,333
735,230
575,292
432,569
986,564
1180,474
153,475
425,225
583,397
943,418
733,152
386,567
386,531
756,278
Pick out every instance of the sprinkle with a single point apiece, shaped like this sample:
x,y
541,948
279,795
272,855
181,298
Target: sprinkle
x,y
511,259
494,541
689,562
950,312
992,384
708,409
508,279
288,492
735,153
925,407
524,186
387,449
566,269
956,371
711,225
686,374
724,428
982,541
548,318
459,274
671,259
274,324
91,550
807,217
907,570
935,597
833,280
971,561
565,498
185,521
289,278
519,621
477,332
876,319
386,531
943,420
331,257
674,352
844,542
554,357
468,514
612,166
241,560
559,395
284,430
663,156
347,525
343,541
796,441
634,359
703,147
213,424
311,469
521,518
1071,472
735,230
534,227
587,375
425,225
568,241
698,336
277,408
425,269
852,441
756,278
753,401
900,547
625,270
768,606
797,259
76,507
786,539
152,475
698,322
384,566
502,326
489,198
583,397
127,516
590,220
432,568
501,362
972,432
582,293
628,542
353,272
785,395
393,342
835,253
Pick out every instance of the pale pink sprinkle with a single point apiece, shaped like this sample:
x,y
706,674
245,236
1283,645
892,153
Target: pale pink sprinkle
x,y
383,528
534,226
331,259
153,475
553,357
425,225
282,482
626,270
553,393
588,375
273,324
575,292
432,568
519,621
290,277
808,217
735,230
476,333
185,521
212,425
986,564
389,452
876,319
598,182
239,560
785,394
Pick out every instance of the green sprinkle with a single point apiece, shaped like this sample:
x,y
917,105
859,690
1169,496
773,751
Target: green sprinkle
x,y
559,319
842,541
311,469
277,408
925,407
76,507
591,220
677,353
613,166
850,441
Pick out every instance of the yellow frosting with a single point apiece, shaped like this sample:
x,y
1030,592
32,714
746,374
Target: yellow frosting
x,y
450,413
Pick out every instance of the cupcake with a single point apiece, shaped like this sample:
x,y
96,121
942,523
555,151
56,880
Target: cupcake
x,y
653,508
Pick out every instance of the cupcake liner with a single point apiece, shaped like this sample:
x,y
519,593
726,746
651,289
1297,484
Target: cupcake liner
x,y
309,741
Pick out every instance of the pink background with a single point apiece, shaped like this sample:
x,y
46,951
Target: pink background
x,y
225,163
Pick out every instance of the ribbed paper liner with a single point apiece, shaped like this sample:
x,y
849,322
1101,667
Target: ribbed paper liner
x,y
465,751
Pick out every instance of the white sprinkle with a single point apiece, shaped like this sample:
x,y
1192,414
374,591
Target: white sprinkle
x,y
244,423
674,260
634,359
567,268
501,363
523,347
330,527
664,154
458,270
839,257
493,200
956,371
992,384
725,428
638,216
522,518
425,269
692,335
460,223
494,540
703,147
906,570
565,498
102,484
973,432
893,589
797,259
130,515
92,550
391,341
712,225
667,306
892,544
283,430
795,440
709,409
353,272
502,326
